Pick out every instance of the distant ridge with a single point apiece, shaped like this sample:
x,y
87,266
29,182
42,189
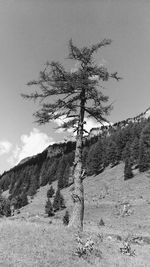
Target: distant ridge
x,y
98,130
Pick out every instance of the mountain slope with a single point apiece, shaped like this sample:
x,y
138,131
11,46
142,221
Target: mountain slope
x,y
36,171
105,197
123,123
56,162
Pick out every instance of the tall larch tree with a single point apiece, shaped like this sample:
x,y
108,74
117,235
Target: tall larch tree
x,y
74,95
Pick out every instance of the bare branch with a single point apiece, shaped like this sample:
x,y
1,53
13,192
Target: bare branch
x,y
105,42
114,75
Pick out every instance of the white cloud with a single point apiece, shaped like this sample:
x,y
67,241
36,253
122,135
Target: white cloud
x,y
5,147
31,144
60,122
90,123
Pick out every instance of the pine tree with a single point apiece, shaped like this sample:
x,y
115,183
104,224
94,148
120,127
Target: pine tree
x,y
144,149
60,172
67,174
128,169
126,151
24,200
134,150
49,208
66,218
95,162
58,202
74,95
111,156
50,192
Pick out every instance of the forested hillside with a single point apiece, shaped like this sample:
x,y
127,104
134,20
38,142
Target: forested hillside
x,y
126,141
28,176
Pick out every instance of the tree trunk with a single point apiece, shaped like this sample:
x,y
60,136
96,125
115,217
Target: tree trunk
x,y
76,220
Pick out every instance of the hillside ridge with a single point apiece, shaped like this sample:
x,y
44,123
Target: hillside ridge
x,y
123,123
56,161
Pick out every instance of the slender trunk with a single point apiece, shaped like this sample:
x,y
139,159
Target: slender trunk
x,y
76,220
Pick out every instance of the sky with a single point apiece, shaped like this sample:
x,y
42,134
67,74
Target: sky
x,y
35,31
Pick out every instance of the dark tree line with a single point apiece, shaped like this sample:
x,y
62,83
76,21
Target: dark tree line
x,y
130,144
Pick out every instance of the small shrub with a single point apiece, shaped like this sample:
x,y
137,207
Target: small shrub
x,y
66,218
127,211
126,249
101,223
88,251
84,247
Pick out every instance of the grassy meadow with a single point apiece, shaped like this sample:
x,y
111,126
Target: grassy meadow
x,y
32,239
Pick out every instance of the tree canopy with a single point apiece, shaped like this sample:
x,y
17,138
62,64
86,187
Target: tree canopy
x,y
61,90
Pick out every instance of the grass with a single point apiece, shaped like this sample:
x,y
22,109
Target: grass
x,y
28,239
32,244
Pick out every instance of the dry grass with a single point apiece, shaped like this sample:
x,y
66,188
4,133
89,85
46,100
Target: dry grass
x,y
29,240
31,244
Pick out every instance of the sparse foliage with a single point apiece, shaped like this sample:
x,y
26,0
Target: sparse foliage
x,y
74,95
